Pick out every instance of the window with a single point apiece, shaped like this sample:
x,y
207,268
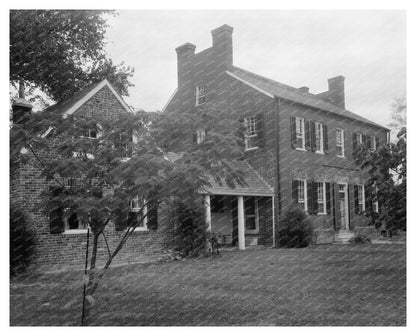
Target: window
x,y
361,198
138,212
319,137
302,194
251,132
300,133
375,201
200,135
73,223
340,142
359,138
373,145
200,95
321,195
251,214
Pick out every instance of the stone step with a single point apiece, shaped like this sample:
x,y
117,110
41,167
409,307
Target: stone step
x,y
343,237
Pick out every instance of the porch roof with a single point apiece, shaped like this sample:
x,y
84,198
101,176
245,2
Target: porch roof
x,y
255,184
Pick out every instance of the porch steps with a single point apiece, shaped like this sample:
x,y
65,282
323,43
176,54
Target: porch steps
x,y
343,236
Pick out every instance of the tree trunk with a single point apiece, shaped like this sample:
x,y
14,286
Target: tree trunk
x,y
91,287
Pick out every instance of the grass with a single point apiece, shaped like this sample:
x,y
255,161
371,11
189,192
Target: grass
x,y
324,285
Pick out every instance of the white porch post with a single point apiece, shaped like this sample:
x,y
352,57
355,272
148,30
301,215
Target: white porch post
x,y
207,204
241,224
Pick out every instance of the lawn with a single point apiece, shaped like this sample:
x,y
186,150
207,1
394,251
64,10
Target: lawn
x,y
323,285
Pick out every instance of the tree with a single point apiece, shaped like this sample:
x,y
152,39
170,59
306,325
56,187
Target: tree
x,y
108,171
387,167
61,52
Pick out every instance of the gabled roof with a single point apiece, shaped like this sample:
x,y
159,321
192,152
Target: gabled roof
x,y
72,104
272,88
255,185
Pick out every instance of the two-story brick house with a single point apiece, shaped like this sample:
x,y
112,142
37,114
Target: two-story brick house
x,y
61,241
300,144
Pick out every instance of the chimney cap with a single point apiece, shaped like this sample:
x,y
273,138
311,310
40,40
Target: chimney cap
x,y
336,79
186,46
222,28
21,102
304,89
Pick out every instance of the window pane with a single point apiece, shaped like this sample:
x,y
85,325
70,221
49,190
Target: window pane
x,y
250,223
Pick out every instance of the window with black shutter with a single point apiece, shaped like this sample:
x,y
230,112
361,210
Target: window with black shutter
x,y
328,197
325,139
260,130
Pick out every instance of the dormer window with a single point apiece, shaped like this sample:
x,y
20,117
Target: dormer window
x,y
200,95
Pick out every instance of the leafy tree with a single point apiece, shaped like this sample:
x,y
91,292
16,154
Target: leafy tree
x,y
110,170
61,52
387,167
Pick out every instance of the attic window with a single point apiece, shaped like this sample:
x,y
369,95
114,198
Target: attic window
x,y
200,95
251,132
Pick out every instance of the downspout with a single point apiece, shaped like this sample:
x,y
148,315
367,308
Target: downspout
x,y
276,214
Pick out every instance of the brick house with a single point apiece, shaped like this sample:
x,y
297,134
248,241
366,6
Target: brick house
x,y
62,241
298,143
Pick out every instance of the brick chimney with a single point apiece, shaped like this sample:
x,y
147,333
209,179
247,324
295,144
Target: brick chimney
x,y
304,89
185,54
336,91
222,41
21,108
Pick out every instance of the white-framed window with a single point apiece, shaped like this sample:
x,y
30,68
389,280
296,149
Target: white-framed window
x,y
251,214
72,224
200,135
359,138
139,210
373,144
319,137
361,198
303,194
340,142
321,192
375,201
251,132
300,133
92,133
200,95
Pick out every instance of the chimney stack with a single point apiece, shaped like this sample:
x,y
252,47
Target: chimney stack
x,y
222,41
185,54
304,89
336,91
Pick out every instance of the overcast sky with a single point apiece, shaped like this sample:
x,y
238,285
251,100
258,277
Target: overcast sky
x,y
298,48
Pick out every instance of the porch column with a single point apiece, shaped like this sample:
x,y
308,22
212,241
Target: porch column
x,y
207,204
241,224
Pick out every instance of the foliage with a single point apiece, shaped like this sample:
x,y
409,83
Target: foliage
x,y
295,229
21,241
187,222
97,177
359,238
62,51
387,167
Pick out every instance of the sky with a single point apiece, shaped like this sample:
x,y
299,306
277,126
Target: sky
x,y
298,48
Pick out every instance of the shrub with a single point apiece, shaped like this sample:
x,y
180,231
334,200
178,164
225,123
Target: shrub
x,y
360,238
296,229
21,241
189,229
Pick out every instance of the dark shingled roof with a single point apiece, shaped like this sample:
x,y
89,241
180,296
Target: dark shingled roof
x,y
255,185
290,93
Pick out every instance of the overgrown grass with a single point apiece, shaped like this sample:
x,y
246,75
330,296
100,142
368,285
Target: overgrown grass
x,y
324,285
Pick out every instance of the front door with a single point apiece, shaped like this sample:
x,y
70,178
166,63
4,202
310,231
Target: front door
x,y
343,206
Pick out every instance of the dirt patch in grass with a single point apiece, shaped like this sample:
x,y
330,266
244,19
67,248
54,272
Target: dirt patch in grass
x,y
324,285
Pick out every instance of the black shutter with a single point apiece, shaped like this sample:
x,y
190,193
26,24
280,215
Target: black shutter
x,y
377,142
337,213
56,220
325,138
310,200
313,135
293,131
152,216
307,135
354,141
368,141
295,190
368,199
120,219
260,130
356,204
328,197
351,202
195,139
